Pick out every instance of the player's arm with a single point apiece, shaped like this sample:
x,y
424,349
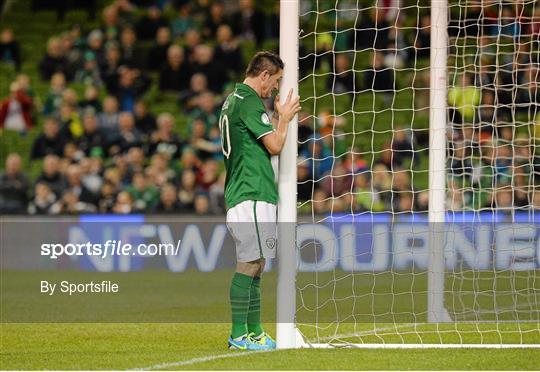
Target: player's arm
x,y
275,140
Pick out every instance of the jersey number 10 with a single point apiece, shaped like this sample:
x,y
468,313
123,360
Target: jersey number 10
x,y
225,135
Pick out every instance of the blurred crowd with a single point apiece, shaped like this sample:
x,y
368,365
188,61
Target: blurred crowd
x,y
108,151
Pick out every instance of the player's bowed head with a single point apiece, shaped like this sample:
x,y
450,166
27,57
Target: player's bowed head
x,y
263,75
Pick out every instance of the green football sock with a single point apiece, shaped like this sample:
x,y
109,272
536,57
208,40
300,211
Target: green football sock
x,y
254,315
239,296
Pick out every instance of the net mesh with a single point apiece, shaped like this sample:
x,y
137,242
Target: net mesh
x,y
363,173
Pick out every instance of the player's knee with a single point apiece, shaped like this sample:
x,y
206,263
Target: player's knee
x,y
251,268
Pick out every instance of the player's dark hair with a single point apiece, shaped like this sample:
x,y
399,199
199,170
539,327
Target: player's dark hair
x,y
264,61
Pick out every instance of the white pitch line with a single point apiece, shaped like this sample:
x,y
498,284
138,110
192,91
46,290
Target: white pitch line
x,y
209,358
234,354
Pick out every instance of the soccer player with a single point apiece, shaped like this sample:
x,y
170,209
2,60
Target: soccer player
x,y
249,138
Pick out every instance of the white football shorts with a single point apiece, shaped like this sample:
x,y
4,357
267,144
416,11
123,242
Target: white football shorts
x,y
252,224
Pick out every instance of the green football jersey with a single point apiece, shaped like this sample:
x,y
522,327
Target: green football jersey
x,y
242,123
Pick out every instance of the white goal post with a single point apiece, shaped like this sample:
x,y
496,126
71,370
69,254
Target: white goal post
x,y
433,307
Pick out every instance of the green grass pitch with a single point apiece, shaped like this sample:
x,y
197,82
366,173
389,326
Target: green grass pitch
x,y
145,343
201,346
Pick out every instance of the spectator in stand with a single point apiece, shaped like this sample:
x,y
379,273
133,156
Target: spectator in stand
x,y
206,111
113,60
95,41
189,98
402,148
13,186
342,79
379,78
144,194
16,111
168,201
108,119
75,186
249,22
188,188
397,50
89,72
150,23
227,52
162,163
51,174
405,202
71,155
305,182
164,140
127,136
529,93
208,174
338,181
502,199
73,47
372,32
111,25
202,203
10,50
135,160
192,40
70,97
71,124
272,23
175,74
54,99
145,121
130,85
422,40
189,160
463,99
487,115
381,180
534,25
509,25
92,136
200,10
214,20
366,197
90,177
91,100
25,86
503,154
206,65
113,175
319,158
320,202
107,197
43,201
461,162
123,203
217,195
71,204
401,189
126,12
184,21
157,55
201,143
132,54
48,142
54,60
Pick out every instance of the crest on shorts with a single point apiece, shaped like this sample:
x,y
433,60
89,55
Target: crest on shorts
x,y
265,119
271,243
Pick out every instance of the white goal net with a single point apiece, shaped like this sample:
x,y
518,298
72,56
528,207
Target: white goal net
x,y
363,176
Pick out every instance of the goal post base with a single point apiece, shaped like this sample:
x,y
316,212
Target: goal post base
x,y
441,316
